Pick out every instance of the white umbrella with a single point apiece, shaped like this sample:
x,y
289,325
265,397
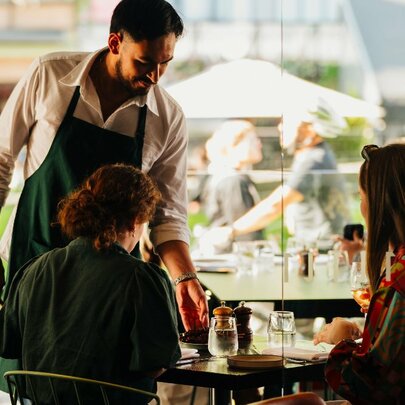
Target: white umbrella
x,y
255,88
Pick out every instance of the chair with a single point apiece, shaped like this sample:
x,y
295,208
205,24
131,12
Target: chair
x,y
302,398
15,387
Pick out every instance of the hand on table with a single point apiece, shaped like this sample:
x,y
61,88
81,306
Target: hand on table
x,y
193,305
336,331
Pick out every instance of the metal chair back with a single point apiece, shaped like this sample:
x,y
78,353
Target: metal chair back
x,y
16,379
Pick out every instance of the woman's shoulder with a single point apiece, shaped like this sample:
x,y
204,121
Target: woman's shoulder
x,y
140,268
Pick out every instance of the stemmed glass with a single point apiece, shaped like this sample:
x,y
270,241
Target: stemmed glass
x,y
360,285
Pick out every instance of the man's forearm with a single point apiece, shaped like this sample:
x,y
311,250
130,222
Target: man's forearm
x,y
175,255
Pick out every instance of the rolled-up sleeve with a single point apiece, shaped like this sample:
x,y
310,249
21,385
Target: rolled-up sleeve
x,y
169,171
16,121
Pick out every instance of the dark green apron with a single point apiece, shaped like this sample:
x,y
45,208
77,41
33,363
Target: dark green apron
x,y
78,149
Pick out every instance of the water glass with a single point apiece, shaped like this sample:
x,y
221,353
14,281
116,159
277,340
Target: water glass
x,y
223,336
338,266
281,329
245,253
294,246
263,256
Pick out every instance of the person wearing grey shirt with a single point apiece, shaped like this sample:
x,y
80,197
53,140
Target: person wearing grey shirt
x,y
314,191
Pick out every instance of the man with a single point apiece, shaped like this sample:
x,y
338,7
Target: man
x,y
78,111
314,191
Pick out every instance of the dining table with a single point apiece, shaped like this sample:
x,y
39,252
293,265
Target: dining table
x,y
308,297
222,379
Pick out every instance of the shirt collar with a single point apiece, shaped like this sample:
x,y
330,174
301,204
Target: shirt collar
x,y
78,76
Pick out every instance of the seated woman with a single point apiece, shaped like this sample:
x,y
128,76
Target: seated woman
x,y
373,371
91,309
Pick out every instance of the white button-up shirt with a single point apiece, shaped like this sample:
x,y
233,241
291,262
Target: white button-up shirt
x,y
37,106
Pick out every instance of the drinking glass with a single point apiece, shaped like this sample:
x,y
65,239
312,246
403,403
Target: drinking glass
x,y
245,252
263,256
281,329
294,246
338,266
359,285
223,336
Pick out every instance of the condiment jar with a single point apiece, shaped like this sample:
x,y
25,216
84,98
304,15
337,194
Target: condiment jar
x,y
243,315
222,313
303,262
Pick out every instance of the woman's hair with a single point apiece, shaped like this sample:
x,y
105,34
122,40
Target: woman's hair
x,y
108,203
146,19
382,178
226,138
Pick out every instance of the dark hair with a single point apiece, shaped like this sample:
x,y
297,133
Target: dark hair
x,y
146,19
382,178
107,203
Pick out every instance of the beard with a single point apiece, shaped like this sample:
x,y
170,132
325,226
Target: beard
x,y
136,85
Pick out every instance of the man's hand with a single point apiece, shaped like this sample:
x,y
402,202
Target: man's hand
x,y
192,303
336,331
190,296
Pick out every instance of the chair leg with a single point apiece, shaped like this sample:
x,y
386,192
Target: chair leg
x,y
193,394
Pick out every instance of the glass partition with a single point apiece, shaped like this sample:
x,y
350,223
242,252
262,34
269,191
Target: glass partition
x,y
279,96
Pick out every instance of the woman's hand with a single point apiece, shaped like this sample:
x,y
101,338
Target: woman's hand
x,y
336,331
352,247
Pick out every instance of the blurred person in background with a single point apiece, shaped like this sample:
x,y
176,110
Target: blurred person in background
x,y
198,177
78,111
314,192
373,371
229,192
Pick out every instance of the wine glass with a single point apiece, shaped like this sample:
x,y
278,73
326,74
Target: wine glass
x,y
223,336
360,285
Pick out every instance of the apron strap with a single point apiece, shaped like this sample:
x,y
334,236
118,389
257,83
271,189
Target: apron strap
x,y
140,134
71,108
73,102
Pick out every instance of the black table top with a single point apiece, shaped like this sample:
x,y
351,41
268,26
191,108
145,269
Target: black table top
x,y
215,373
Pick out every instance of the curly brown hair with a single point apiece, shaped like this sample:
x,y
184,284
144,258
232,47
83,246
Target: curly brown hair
x,y
107,203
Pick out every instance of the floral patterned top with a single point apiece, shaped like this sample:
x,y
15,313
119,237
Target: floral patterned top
x,y
374,372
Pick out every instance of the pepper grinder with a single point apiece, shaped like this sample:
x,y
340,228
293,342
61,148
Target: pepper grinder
x,y
222,313
245,333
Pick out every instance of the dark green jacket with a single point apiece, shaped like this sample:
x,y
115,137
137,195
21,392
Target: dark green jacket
x,y
101,315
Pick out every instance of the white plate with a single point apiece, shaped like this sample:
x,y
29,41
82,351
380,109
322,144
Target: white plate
x,y
215,264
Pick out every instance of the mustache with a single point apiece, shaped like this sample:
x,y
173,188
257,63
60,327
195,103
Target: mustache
x,y
145,80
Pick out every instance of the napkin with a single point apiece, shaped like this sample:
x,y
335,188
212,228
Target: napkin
x,y
298,353
189,353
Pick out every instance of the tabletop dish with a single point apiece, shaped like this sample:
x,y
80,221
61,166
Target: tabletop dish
x,y
255,361
195,339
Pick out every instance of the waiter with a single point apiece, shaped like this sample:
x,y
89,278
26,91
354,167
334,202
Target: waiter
x,y
78,111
